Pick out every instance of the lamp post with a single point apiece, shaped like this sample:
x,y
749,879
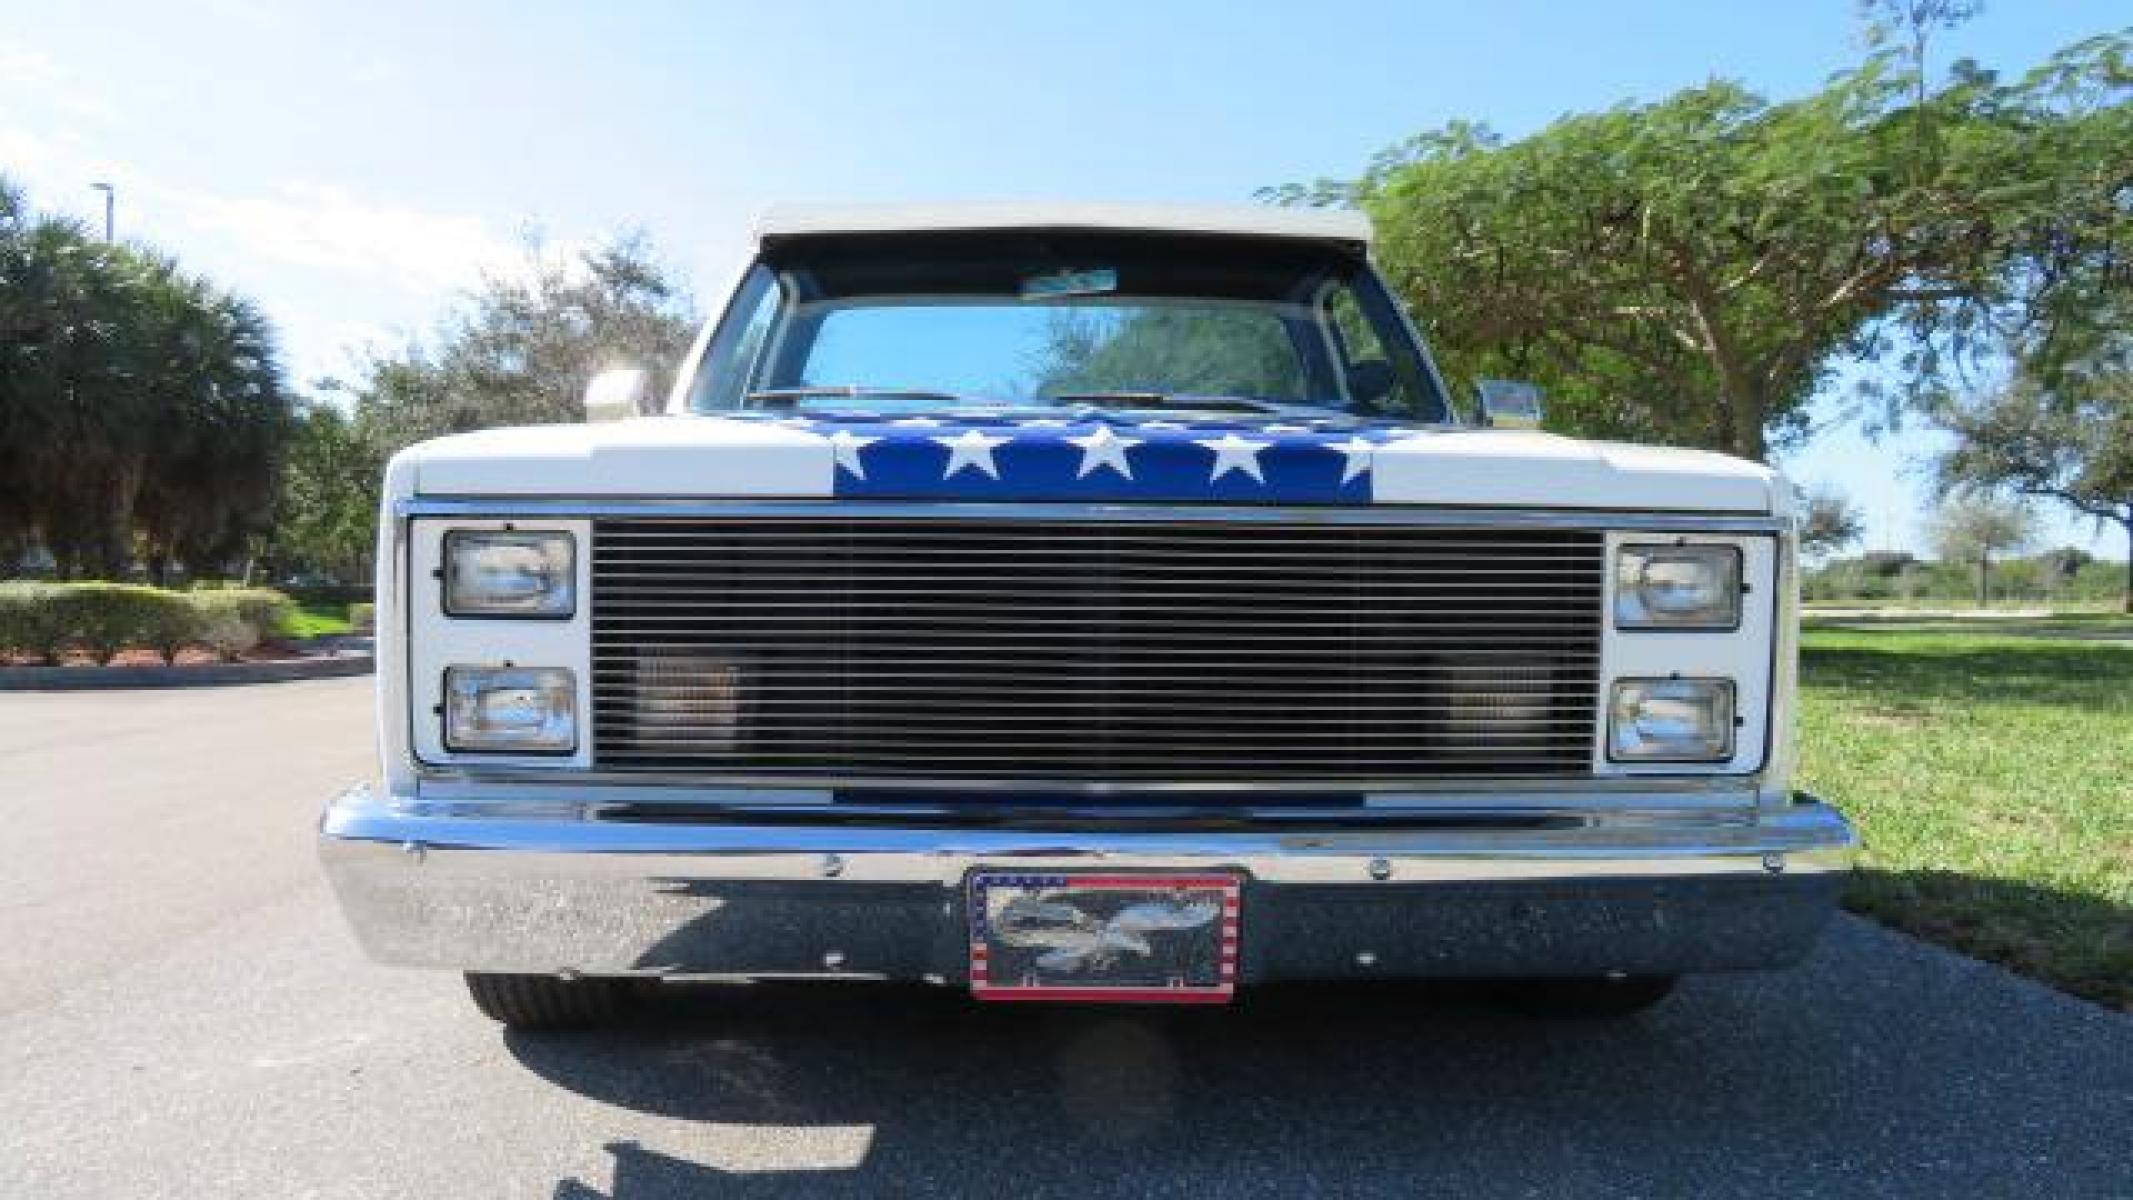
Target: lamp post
x,y
110,198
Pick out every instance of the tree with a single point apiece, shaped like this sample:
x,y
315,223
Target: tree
x,y
522,349
518,352
2070,444
141,408
1828,522
1975,527
329,497
1692,270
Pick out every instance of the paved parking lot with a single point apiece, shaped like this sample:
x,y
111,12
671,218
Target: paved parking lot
x,y
181,1013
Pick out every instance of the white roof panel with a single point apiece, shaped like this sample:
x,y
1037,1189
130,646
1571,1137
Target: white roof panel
x,y
1343,225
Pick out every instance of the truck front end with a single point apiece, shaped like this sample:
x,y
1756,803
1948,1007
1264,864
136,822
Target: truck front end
x,y
1081,605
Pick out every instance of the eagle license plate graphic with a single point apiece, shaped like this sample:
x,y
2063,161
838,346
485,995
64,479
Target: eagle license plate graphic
x,y
1118,938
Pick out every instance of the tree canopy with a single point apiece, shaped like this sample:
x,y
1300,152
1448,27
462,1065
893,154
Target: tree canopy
x,y
2063,436
518,351
142,409
1692,270
1977,527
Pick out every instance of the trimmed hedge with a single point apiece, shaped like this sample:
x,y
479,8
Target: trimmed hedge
x,y
45,620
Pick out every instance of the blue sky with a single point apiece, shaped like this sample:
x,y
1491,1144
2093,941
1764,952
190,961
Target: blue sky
x,y
352,166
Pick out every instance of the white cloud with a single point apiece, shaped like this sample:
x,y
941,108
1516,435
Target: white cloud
x,y
328,227
35,75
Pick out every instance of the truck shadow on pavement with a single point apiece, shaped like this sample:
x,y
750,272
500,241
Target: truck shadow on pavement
x,y
1859,1071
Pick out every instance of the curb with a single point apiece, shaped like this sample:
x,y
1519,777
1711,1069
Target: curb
x,y
89,679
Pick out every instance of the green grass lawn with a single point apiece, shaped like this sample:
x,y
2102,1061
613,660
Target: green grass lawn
x,y
1990,771
317,618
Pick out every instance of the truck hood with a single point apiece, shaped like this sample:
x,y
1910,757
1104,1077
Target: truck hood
x,y
1087,457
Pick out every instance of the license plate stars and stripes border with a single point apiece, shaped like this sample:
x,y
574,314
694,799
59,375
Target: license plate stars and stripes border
x,y
1105,938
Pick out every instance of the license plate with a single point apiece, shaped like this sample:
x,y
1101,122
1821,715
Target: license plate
x,y
1161,939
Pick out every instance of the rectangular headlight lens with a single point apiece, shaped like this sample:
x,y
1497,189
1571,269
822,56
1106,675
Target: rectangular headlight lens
x,y
1677,587
510,710
507,573
1671,720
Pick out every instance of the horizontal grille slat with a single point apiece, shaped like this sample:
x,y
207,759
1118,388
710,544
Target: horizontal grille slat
x,y
1079,650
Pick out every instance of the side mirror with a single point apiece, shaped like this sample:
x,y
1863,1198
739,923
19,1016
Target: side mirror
x,y
617,395
1508,404
1369,382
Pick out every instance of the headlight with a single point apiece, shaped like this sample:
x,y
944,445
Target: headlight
x,y
505,573
1671,720
1677,587
510,710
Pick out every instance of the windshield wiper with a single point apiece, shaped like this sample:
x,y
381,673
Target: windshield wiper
x,y
789,397
1182,400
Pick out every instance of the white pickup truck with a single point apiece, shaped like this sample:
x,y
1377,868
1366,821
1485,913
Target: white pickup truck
x,y
1077,602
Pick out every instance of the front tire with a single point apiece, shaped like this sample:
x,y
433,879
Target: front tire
x,y
1597,998
547,1001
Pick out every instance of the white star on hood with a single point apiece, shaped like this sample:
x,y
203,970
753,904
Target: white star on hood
x,y
1233,453
971,448
846,445
1358,452
1103,448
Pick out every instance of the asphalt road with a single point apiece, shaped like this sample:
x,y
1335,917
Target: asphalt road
x,y
182,1013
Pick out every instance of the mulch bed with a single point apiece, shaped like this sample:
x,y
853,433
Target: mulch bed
x,y
191,656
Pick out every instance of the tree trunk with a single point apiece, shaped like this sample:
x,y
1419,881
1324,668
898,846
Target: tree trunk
x,y
1984,580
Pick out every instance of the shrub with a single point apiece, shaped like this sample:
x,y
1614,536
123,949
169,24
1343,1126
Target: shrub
x,y
105,618
30,620
363,618
233,620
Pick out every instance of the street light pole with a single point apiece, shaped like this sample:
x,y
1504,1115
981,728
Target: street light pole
x,y
110,196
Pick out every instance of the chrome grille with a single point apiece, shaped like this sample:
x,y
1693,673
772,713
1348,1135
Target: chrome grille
x,y
1084,650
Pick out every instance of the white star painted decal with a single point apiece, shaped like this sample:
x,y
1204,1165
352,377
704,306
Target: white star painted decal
x,y
971,448
1233,453
846,445
1104,448
1358,453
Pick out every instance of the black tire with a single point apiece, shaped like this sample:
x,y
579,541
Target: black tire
x,y
1585,998
548,1002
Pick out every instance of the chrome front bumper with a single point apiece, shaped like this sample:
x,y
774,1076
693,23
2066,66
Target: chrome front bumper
x,y
538,889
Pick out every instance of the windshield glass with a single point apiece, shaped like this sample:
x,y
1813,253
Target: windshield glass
x,y
918,323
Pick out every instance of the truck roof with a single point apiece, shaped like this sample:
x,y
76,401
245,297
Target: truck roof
x,y
1250,220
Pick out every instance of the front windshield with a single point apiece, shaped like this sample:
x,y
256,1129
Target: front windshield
x,y
918,323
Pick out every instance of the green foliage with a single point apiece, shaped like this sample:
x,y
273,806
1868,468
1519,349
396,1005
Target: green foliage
x,y
329,496
2063,434
2060,578
105,618
30,622
1690,271
1985,768
143,407
46,620
233,620
520,353
1215,351
363,618
1828,522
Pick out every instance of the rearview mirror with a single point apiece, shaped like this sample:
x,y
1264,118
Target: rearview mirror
x,y
1508,404
617,395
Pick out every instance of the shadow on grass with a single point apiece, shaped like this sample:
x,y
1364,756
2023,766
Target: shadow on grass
x,y
1919,673
2077,943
